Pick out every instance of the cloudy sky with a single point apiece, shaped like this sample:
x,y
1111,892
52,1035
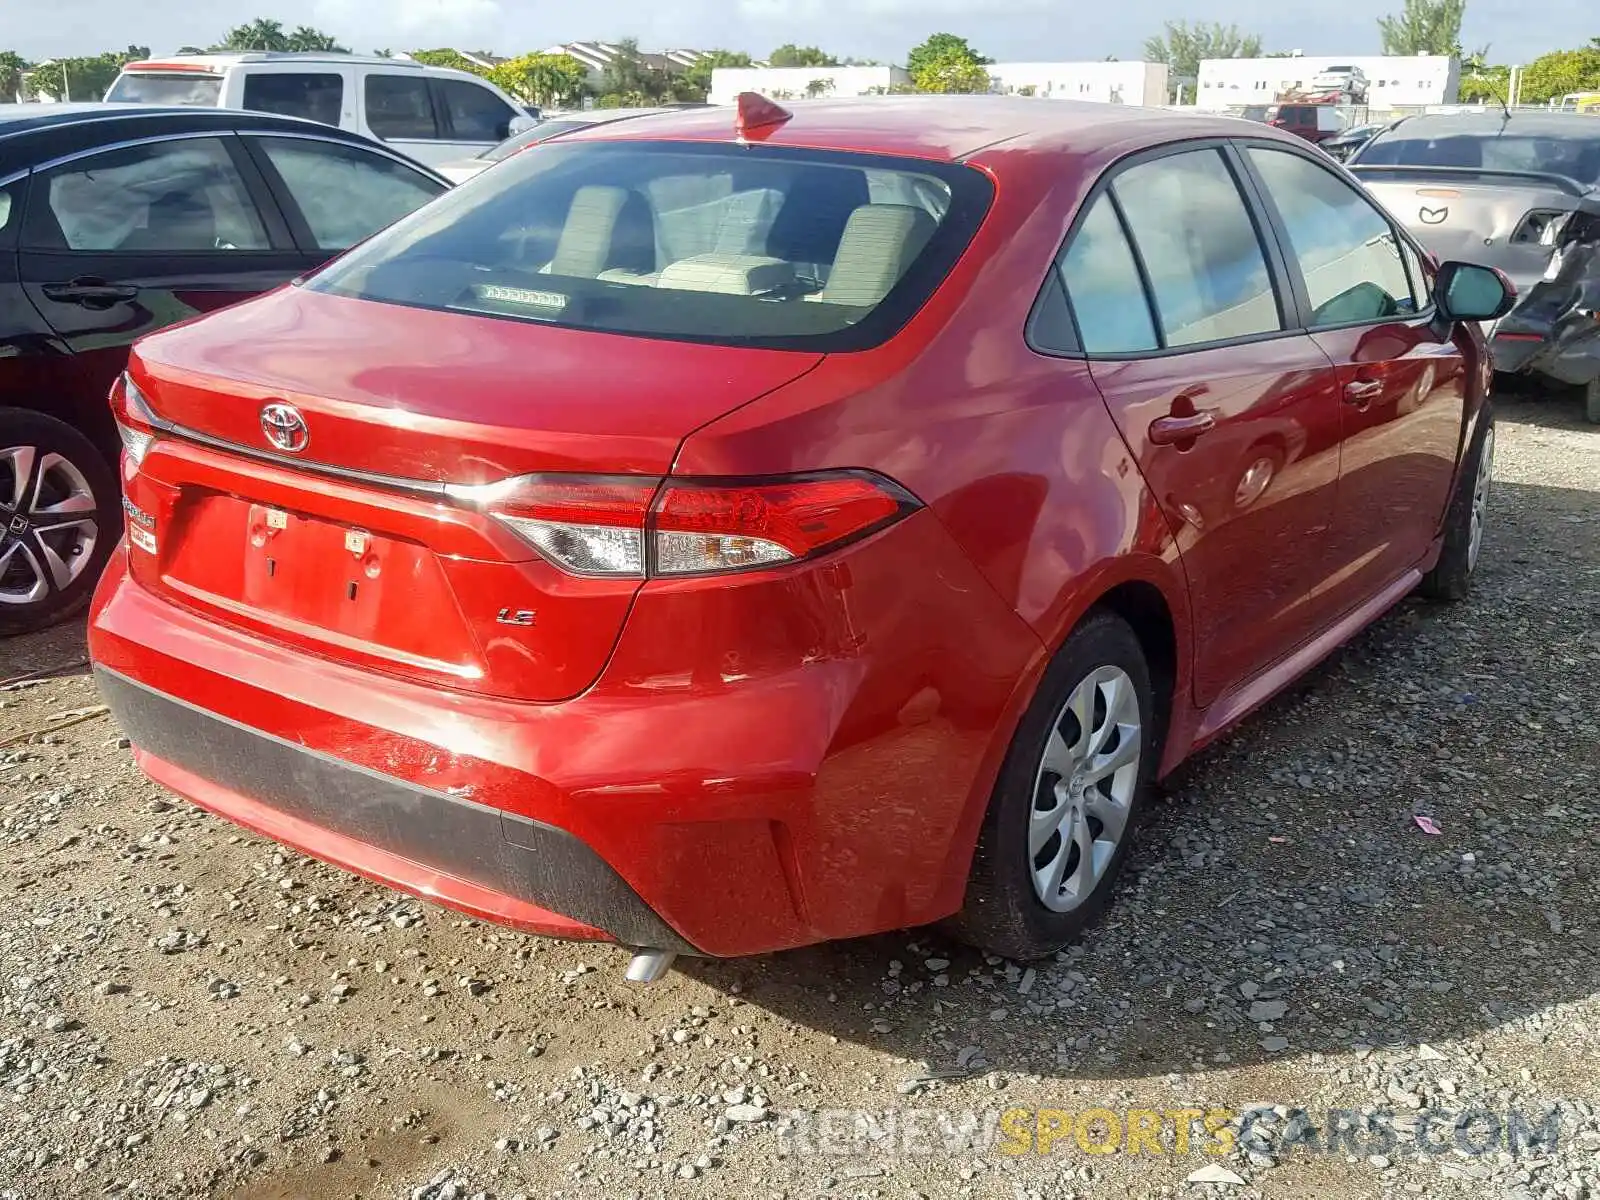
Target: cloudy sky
x,y
882,29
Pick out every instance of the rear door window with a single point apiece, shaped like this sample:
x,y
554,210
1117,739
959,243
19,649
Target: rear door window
x,y
474,113
1208,272
742,245
179,196
316,96
400,107
1349,255
1103,285
344,192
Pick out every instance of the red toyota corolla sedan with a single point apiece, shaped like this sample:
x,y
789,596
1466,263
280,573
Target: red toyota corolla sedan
x,y
741,528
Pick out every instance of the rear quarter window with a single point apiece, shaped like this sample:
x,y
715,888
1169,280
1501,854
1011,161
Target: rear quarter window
x,y
758,246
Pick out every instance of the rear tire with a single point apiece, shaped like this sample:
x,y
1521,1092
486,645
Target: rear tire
x,y
1591,401
1068,799
1451,577
60,518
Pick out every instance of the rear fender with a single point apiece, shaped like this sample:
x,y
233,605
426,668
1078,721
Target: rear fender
x,y
1563,309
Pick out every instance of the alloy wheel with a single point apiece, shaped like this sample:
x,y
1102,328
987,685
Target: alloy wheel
x,y
1480,497
50,524
1084,788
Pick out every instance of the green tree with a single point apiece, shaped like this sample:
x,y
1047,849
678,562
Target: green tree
x,y
1184,45
543,79
698,77
446,57
89,78
947,63
12,65
1424,27
1482,82
190,50
633,80
790,55
1551,76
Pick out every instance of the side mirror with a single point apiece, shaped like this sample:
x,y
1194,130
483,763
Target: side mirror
x,y
1468,292
521,125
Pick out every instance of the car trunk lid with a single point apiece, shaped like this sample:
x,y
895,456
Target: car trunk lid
x,y
353,547
1491,217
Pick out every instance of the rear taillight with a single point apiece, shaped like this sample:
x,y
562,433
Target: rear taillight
x,y
635,527
1542,227
136,420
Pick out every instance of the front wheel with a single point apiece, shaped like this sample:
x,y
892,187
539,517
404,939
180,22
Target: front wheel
x,y
61,518
1591,401
1068,798
1451,577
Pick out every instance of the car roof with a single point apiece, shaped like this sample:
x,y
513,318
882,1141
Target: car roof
x,y
939,127
219,61
31,133
1493,123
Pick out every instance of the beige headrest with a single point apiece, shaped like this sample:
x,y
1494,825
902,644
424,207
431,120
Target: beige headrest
x,y
585,244
879,243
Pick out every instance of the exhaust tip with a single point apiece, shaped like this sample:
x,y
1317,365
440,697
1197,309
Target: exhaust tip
x,y
647,966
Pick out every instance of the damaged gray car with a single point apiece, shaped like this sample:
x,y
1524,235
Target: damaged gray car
x,y
1520,192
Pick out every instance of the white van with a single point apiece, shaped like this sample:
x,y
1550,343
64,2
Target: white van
x,y
431,114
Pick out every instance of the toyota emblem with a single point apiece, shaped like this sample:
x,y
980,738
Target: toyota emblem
x,y
285,427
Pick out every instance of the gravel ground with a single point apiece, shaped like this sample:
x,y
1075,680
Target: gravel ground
x,y
189,1011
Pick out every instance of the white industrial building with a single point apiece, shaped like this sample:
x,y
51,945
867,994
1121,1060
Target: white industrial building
x,y
1393,81
1107,82
800,83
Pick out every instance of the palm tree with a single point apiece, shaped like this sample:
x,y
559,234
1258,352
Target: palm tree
x,y
307,38
260,34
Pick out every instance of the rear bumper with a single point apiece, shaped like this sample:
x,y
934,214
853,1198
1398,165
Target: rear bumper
x,y
489,863
764,763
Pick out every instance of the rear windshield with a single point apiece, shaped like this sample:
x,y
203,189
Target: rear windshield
x,y
737,245
1575,157
167,87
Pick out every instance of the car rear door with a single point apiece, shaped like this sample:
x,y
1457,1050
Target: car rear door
x,y
118,242
1232,415
1362,292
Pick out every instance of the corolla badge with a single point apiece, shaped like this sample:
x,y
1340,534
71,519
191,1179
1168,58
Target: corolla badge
x,y
1432,216
285,427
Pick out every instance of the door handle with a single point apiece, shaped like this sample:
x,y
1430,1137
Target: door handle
x,y
1362,392
90,292
1164,431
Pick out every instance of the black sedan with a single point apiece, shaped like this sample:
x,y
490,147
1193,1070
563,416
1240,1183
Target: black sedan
x,y
116,222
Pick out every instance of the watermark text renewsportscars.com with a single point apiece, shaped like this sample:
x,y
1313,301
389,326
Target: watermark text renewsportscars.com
x,y
1277,1130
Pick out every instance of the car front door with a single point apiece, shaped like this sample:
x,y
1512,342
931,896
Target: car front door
x,y
1232,416
119,242
434,120
1402,377
334,193
475,119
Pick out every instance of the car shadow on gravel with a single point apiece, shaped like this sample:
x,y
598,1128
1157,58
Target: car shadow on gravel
x,y
1284,900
